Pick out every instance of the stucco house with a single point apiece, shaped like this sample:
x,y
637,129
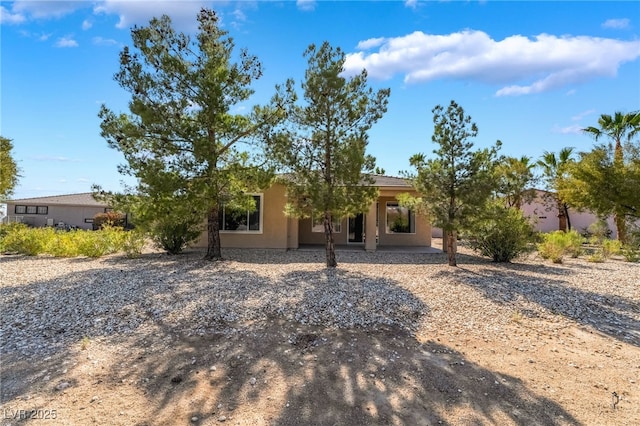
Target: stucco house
x,y
545,216
75,210
386,223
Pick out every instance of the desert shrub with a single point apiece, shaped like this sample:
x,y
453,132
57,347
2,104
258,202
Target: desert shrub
x,y
598,231
24,240
555,245
610,248
503,235
173,236
573,243
64,244
133,243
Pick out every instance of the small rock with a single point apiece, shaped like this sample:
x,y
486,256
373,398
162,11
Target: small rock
x,y
252,381
194,419
213,368
94,398
222,418
62,386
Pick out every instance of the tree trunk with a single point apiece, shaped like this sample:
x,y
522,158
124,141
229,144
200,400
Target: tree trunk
x,y
214,251
562,217
444,241
566,214
329,247
621,227
452,247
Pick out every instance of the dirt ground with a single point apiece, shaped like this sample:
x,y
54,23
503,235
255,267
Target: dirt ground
x,y
284,373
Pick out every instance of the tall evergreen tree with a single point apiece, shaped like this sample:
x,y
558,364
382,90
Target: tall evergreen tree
x,y
455,185
515,180
181,139
322,145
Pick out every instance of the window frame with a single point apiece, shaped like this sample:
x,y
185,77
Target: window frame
x,y
318,228
23,209
411,215
32,210
245,231
43,210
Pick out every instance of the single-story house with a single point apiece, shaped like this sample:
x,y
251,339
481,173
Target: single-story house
x,y
386,223
76,210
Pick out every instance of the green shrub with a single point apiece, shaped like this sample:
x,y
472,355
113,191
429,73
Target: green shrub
x,y
610,248
173,236
64,244
134,242
24,240
598,231
630,253
503,236
555,245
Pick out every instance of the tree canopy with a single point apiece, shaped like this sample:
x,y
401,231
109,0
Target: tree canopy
x,y
181,138
606,180
322,144
554,169
8,169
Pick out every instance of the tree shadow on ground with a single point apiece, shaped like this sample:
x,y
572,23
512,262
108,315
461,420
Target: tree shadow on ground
x,y
276,360
607,313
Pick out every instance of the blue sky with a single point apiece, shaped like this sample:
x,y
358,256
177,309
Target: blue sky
x,y
531,74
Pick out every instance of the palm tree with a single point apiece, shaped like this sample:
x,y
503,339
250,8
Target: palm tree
x,y
553,168
619,128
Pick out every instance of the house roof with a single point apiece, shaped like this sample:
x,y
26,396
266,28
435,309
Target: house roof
x,y
381,180
82,199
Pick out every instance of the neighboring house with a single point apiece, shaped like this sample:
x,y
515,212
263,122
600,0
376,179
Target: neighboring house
x,y
386,223
544,213
75,210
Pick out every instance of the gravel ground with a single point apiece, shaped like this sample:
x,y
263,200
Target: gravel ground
x,y
386,338
46,303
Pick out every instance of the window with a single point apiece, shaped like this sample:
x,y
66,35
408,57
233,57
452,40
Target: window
x,y
400,220
233,220
318,225
21,209
43,209
32,210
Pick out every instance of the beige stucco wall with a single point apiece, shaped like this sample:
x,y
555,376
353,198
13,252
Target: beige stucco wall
x,y
70,215
274,226
545,217
422,236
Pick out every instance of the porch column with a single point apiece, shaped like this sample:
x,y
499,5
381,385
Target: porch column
x,y
370,225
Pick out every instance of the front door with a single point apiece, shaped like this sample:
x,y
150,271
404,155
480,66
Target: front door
x,y
356,229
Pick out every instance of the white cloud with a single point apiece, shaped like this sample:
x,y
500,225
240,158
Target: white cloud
x,y
7,17
411,3
101,41
86,24
583,114
574,129
306,5
47,9
523,65
370,43
183,13
67,41
619,24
